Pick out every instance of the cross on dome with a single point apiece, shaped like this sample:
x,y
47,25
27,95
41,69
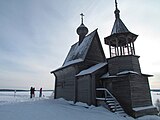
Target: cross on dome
x,y
82,30
116,4
116,11
82,15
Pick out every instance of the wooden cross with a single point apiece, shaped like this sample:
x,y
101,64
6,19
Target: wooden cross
x,y
82,15
116,3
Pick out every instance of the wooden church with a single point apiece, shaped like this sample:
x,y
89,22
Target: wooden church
x,y
116,82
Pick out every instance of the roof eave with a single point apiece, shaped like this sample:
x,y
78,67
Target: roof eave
x,y
64,66
132,37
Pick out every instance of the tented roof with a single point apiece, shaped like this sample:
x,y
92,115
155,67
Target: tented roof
x,y
119,27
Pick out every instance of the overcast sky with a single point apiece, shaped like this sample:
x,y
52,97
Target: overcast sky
x,y
36,35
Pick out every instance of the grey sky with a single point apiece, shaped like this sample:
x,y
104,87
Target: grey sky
x,y
36,35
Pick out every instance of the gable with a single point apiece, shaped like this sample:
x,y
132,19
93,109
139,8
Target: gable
x,y
95,52
90,49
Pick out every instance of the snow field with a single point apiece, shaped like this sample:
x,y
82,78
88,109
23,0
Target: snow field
x,y
21,107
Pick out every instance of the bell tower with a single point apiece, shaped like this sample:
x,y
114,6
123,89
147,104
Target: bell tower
x,y
125,80
121,47
121,40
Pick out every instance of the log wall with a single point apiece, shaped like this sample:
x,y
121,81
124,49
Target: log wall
x,y
131,91
84,89
123,63
65,83
140,91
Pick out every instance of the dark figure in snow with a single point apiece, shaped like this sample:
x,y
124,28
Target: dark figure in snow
x,y
40,92
31,92
14,93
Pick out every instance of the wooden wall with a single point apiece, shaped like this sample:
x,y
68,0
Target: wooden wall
x,y
121,90
123,63
84,89
65,83
131,91
140,91
87,84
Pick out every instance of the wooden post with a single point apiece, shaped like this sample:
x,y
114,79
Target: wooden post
x,y
75,86
117,47
115,51
121,49
55,89
75,90
110,49
133,48
131,51
127,45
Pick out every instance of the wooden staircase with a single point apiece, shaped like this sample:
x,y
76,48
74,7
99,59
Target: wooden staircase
x,y
107,100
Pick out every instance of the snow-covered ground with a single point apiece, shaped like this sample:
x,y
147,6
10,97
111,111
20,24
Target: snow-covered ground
x,y
11,97
21,107
155,96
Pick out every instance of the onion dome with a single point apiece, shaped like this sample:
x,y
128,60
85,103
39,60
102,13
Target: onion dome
x,y
82,30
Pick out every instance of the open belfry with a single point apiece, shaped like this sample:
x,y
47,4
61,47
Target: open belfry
x,y
115,83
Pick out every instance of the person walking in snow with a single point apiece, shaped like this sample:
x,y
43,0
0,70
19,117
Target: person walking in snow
x,y
14,93
31,92
40,92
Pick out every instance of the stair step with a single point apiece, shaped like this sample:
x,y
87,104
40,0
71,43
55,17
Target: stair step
x,y
107,99
100,99
117,106
113,104
112,110
110,101
118,109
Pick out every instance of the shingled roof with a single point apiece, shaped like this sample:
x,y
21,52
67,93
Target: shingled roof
x,y
119,27
119,32
78,51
